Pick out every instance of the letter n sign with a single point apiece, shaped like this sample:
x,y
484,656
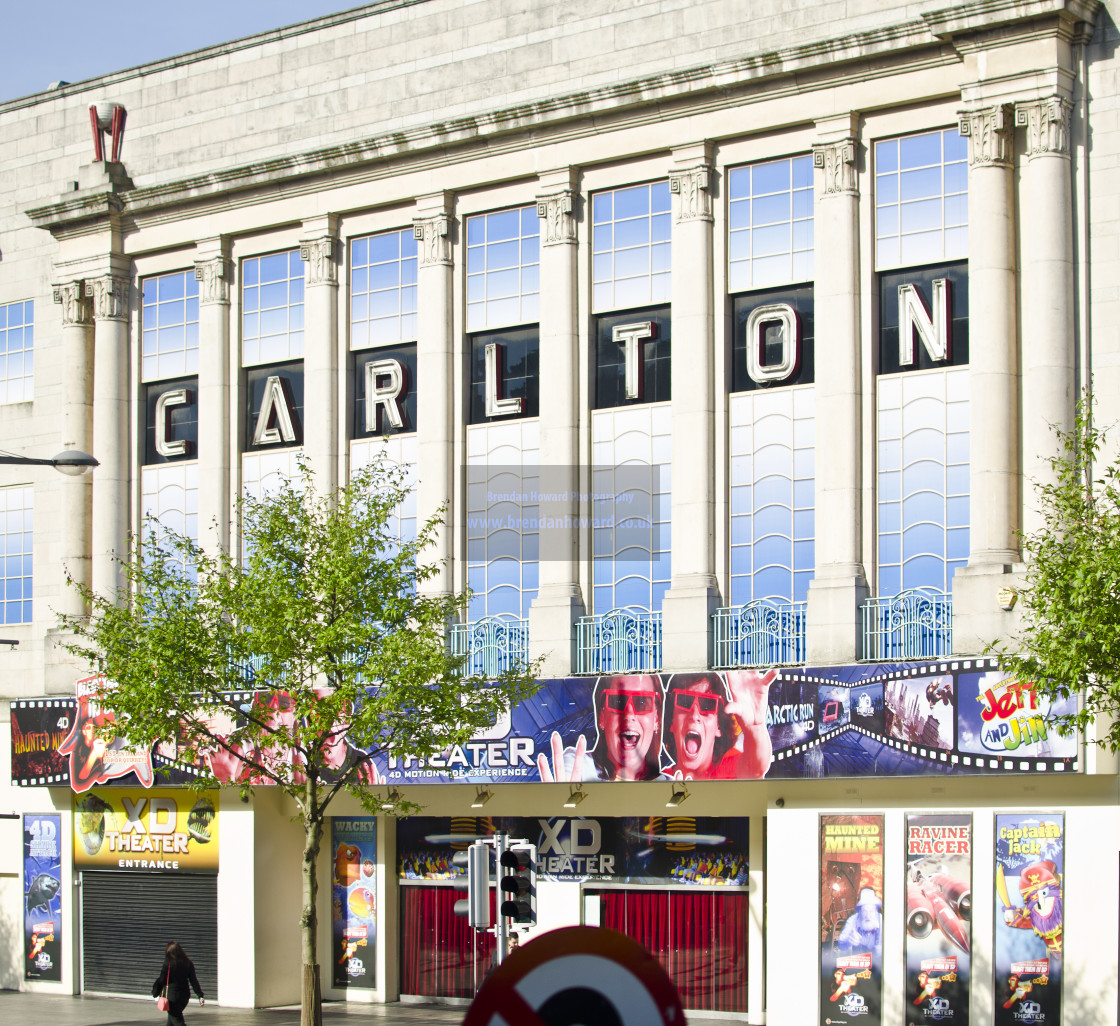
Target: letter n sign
x,y
923,318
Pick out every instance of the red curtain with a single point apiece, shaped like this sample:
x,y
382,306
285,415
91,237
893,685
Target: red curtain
x,y
438,948
699,938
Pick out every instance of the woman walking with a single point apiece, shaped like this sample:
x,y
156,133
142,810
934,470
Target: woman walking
x,y
174,981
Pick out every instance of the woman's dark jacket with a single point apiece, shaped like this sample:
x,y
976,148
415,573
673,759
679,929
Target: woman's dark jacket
x,y
178,991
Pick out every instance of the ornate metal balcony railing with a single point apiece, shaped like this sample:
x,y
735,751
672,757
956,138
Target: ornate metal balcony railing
x,y
621,641
492,645
915,624
765,632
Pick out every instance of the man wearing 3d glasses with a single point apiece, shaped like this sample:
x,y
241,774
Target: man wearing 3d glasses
x,y
708,737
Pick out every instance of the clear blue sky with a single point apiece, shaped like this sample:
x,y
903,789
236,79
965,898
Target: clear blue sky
x,y
48,40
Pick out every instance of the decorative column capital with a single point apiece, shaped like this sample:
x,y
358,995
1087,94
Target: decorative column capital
x,y
1047,123
990,135
692,187
837,159
434,236
110,297
319,255
76,309
214,276
558,225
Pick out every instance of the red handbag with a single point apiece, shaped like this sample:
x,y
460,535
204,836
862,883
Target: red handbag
x,y
161,1002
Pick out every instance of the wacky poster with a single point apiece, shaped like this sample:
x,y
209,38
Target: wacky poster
x,y
163,830
938,938
654,850
1030,862
42,903
353,900
851,979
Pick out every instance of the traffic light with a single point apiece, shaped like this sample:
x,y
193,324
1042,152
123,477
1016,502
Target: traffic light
x,y
476,905
518,885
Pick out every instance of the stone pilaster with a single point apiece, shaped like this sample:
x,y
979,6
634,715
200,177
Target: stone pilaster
x,y
693,592
1047,331
559,600
435,354
111,492
213,272
77,433
993,380
321,426
839,586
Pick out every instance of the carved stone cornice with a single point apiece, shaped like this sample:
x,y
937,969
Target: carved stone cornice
x,y
319,255
1047,124
76,309
558,224
990,135
213,274
434,236
691,186
110,297
837,159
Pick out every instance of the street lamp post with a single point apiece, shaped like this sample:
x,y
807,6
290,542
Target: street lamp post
x,y
72,462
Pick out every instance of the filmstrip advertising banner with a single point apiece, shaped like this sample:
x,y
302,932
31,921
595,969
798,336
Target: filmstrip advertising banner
x,y
851,977
938,918
353,900
166,830
39,727
905,719
689,850
42,880
1030,862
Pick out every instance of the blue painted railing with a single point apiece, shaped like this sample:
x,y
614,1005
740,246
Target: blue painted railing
x,y
491,645
621,641
764,632
915,624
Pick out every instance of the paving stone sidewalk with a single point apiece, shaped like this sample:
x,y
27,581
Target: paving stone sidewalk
x,y
25,1009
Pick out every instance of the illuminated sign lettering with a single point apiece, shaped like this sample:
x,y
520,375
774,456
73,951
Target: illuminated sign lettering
x,y
496,407
789,334
933,329
165,446
385,380
631,337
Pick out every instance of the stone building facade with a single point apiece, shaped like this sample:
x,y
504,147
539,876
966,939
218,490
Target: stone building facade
x,y
828,274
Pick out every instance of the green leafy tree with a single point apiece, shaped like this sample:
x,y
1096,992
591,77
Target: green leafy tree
x,y
1069,643
324,619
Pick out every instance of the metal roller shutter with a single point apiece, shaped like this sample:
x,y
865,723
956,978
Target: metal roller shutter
x,y
127,921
